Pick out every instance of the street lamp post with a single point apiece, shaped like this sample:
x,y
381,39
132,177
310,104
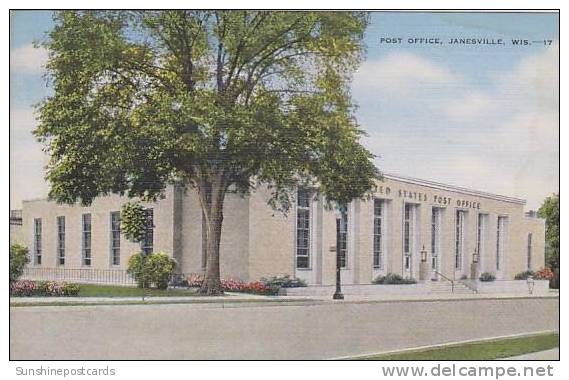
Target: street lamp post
x,y
531,283
423,266
423,254
339,220
475,256
474,267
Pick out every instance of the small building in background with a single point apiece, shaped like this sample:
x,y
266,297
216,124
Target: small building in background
x,y
16,228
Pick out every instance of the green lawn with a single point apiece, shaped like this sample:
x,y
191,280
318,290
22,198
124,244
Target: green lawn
x,y
486,350
95,290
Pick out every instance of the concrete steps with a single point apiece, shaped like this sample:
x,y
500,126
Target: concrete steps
x,y
440,287
434,288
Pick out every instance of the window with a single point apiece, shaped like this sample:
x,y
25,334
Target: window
x,y
480,236
147,243
500,230
344,239
378,225
37,241
435,233
86,239
407,224
61,240
529,250
303,229
459,239
115,238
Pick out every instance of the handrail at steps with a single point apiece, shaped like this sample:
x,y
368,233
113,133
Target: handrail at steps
x,y
446,278
469,285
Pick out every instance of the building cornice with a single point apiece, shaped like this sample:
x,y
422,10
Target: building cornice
x,y
456,189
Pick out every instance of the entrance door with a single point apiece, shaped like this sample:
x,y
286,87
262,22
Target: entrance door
x,y
436,241
408,239
459,243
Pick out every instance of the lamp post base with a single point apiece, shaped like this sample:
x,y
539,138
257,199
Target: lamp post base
x,y
338,296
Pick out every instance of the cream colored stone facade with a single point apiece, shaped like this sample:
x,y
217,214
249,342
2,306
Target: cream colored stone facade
x,y
257,242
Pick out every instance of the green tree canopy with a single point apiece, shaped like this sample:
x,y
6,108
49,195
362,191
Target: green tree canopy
x,y
550,211
215,100
134,225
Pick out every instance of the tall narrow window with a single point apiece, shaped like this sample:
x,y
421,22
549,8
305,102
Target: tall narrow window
x,y
480,235
61,240
344,239
115,238
407,225
378,225
500,229
37,241
303,229
86,239
435,233
459,239
147,243
529,250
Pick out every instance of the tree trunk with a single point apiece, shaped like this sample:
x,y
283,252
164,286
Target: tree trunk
x,y
212,198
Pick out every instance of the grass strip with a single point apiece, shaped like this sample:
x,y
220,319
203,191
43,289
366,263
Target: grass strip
x,y
485,350
96,290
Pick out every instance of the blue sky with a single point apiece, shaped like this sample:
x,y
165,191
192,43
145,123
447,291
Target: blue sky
x,y
484,117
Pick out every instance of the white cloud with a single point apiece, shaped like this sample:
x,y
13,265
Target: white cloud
x,y
28,60
472,105
27,160
535,80
499,135
401,72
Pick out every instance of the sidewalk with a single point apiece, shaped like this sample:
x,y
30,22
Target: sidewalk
x,y
552,354
243,299
227,298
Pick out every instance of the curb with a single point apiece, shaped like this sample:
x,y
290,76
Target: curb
x,y
448,344
239,301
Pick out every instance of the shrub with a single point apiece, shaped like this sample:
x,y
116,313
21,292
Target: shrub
x,y
393,279
262,287
258,287
27,288
18,260
231,285
554,282
254,287
153,269
137,269
178,281
43,288
194,280
160,267
22,288
277,282
487,277
544,274
524,275
71,290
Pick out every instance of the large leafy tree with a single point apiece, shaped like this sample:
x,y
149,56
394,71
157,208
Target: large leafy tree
x,y
219,101
550,211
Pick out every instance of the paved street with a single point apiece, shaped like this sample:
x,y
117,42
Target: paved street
x,y
319,330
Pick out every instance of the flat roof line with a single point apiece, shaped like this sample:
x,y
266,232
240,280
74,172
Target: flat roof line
x,y
415,181
463,190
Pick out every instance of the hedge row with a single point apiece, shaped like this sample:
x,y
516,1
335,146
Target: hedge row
x,y
28,288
